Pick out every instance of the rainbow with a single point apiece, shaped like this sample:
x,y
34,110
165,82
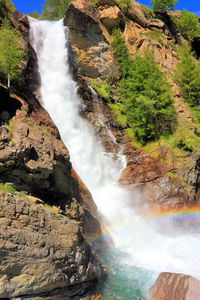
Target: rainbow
x,y
181,212
105,233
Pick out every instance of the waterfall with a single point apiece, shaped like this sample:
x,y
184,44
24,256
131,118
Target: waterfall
x,y
144,246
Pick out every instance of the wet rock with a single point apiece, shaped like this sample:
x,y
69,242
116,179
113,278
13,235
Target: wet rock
x,y
175,286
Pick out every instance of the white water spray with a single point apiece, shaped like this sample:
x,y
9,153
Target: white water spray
x,y
147,248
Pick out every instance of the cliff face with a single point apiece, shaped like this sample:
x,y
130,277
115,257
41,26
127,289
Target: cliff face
x,y
42,220
161,175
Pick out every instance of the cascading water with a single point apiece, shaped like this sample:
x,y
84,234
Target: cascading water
x,y
141,251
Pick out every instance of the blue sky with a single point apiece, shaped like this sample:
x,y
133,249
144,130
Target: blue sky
x,y
27,6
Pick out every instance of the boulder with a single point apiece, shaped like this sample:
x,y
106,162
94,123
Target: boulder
x,y
171,286
157,25
111,17
136,14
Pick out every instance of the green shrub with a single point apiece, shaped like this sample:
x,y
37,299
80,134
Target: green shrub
x,y
8,188
123,3
103,88
148,12
187,75
119,110
156,36
188,24
120,51
184,145
35,15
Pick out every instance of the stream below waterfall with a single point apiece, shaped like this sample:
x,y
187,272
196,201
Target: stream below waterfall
x,y
142,250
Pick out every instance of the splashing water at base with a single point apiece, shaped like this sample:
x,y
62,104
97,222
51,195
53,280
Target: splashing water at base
x,y
141,251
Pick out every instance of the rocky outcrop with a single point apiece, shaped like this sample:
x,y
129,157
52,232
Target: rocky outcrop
x,y
42,248
34,158
90,36
162,178
90,52
175,286
111,17
42,251
30,84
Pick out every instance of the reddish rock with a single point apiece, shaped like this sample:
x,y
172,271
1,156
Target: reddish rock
x,y
171,286
156,179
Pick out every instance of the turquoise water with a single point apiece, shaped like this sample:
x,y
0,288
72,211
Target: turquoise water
x,y
124,281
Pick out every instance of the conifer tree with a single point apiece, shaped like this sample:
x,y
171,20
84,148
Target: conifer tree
x,y
188,76
163,5
144,93
6,6
54,9
188,24
10,52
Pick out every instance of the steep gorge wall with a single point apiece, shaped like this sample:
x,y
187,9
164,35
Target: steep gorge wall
x,y
163,178
43,219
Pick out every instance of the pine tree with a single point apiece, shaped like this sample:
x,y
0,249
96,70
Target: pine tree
x,y
54,9
6,6
163,5
144,93
10,52
188,76
188,24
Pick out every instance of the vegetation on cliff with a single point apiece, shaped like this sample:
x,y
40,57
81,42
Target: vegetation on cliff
x,y
54,9
145,95
6,6
187,24
163,5
11,53
188,76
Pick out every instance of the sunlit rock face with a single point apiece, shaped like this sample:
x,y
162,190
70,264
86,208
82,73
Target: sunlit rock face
x,y
90,51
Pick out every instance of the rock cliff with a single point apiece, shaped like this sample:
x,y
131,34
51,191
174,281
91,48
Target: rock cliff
x,y
47,214
43,250
163,175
